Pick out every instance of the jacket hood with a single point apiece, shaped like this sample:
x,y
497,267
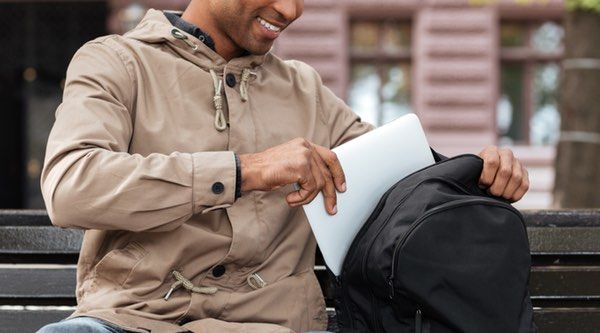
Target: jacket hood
x,y
155,28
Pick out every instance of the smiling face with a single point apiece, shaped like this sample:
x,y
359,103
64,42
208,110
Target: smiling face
x,y
253,25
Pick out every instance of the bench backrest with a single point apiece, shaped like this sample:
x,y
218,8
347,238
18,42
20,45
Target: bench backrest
x,y
37,270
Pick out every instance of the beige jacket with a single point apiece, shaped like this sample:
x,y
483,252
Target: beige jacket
x,y
133,157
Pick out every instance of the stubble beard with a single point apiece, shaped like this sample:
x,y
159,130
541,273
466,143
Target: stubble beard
x,y
243,37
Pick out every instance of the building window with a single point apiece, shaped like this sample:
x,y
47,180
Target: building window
x,y
379,89
527,110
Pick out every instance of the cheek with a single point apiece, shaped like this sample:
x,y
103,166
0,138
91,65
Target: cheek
x,y
246,33
249,39
237,28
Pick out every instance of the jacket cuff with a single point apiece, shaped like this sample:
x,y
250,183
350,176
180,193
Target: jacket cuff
x,y
213,184
238,177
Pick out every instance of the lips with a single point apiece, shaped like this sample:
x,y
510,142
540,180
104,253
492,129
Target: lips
x,y
269,26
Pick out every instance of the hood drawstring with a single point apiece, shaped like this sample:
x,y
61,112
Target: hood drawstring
x,y
187,284
179,35
244,84
220,122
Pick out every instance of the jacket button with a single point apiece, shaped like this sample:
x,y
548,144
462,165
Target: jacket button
x,y
218,188
218,271
230,80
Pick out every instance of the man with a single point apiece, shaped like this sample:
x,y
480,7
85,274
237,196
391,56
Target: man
x,y
176,147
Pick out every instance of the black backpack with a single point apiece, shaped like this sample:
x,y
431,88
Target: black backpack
x,y
438,254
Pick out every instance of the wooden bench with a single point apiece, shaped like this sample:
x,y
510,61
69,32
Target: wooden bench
x,y
37,270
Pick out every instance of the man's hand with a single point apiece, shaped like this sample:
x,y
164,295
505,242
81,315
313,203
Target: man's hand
x,y
312,167
503,175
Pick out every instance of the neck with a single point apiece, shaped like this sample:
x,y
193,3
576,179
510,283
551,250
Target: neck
x,y
198,14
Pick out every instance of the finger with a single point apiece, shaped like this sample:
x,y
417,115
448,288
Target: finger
x,y
334,166
329,193
317,187
491,163
307,185
313,186
523,188
515,180
298,195
504,172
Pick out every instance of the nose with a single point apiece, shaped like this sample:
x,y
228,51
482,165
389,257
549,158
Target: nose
x,y
289,10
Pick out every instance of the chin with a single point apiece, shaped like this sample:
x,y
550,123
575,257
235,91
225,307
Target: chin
x,y
260,52
258,48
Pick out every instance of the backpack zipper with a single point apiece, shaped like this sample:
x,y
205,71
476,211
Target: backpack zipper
x,y
344,305
364,228
349,255
375,318
438,209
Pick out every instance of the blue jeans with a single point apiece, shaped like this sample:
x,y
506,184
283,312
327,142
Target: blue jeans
x,y
91,325
81,325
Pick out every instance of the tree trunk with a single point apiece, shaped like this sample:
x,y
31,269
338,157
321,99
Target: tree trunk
x,y
578,153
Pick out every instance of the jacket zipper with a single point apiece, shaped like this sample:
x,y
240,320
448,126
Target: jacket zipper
x,y
438,209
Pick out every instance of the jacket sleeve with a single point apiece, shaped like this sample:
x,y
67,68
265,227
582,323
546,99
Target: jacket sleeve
x,y
344,125
90,181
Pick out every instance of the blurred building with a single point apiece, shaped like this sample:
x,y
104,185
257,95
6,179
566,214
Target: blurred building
x,y
37,42
476,75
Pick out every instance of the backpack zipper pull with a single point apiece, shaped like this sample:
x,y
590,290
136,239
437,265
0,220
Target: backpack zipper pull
x,y
418,321
390,282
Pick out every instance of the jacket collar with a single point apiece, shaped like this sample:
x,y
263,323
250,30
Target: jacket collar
x,y
155,28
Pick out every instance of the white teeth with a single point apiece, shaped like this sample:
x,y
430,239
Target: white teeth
x,y
268,25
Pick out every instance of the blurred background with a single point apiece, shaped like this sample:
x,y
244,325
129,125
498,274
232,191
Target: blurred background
x,y
477,72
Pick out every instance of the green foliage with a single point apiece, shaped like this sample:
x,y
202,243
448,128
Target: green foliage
x,y
592,5
520,2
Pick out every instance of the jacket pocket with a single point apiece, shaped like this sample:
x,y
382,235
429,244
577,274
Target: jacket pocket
x,y
117,265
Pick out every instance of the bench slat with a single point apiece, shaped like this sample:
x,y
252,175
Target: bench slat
x,y
565,280
29,320
533,218
560,320
15,240
547,283
30,232
562,218
37,285
24,217
39,240
572,240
